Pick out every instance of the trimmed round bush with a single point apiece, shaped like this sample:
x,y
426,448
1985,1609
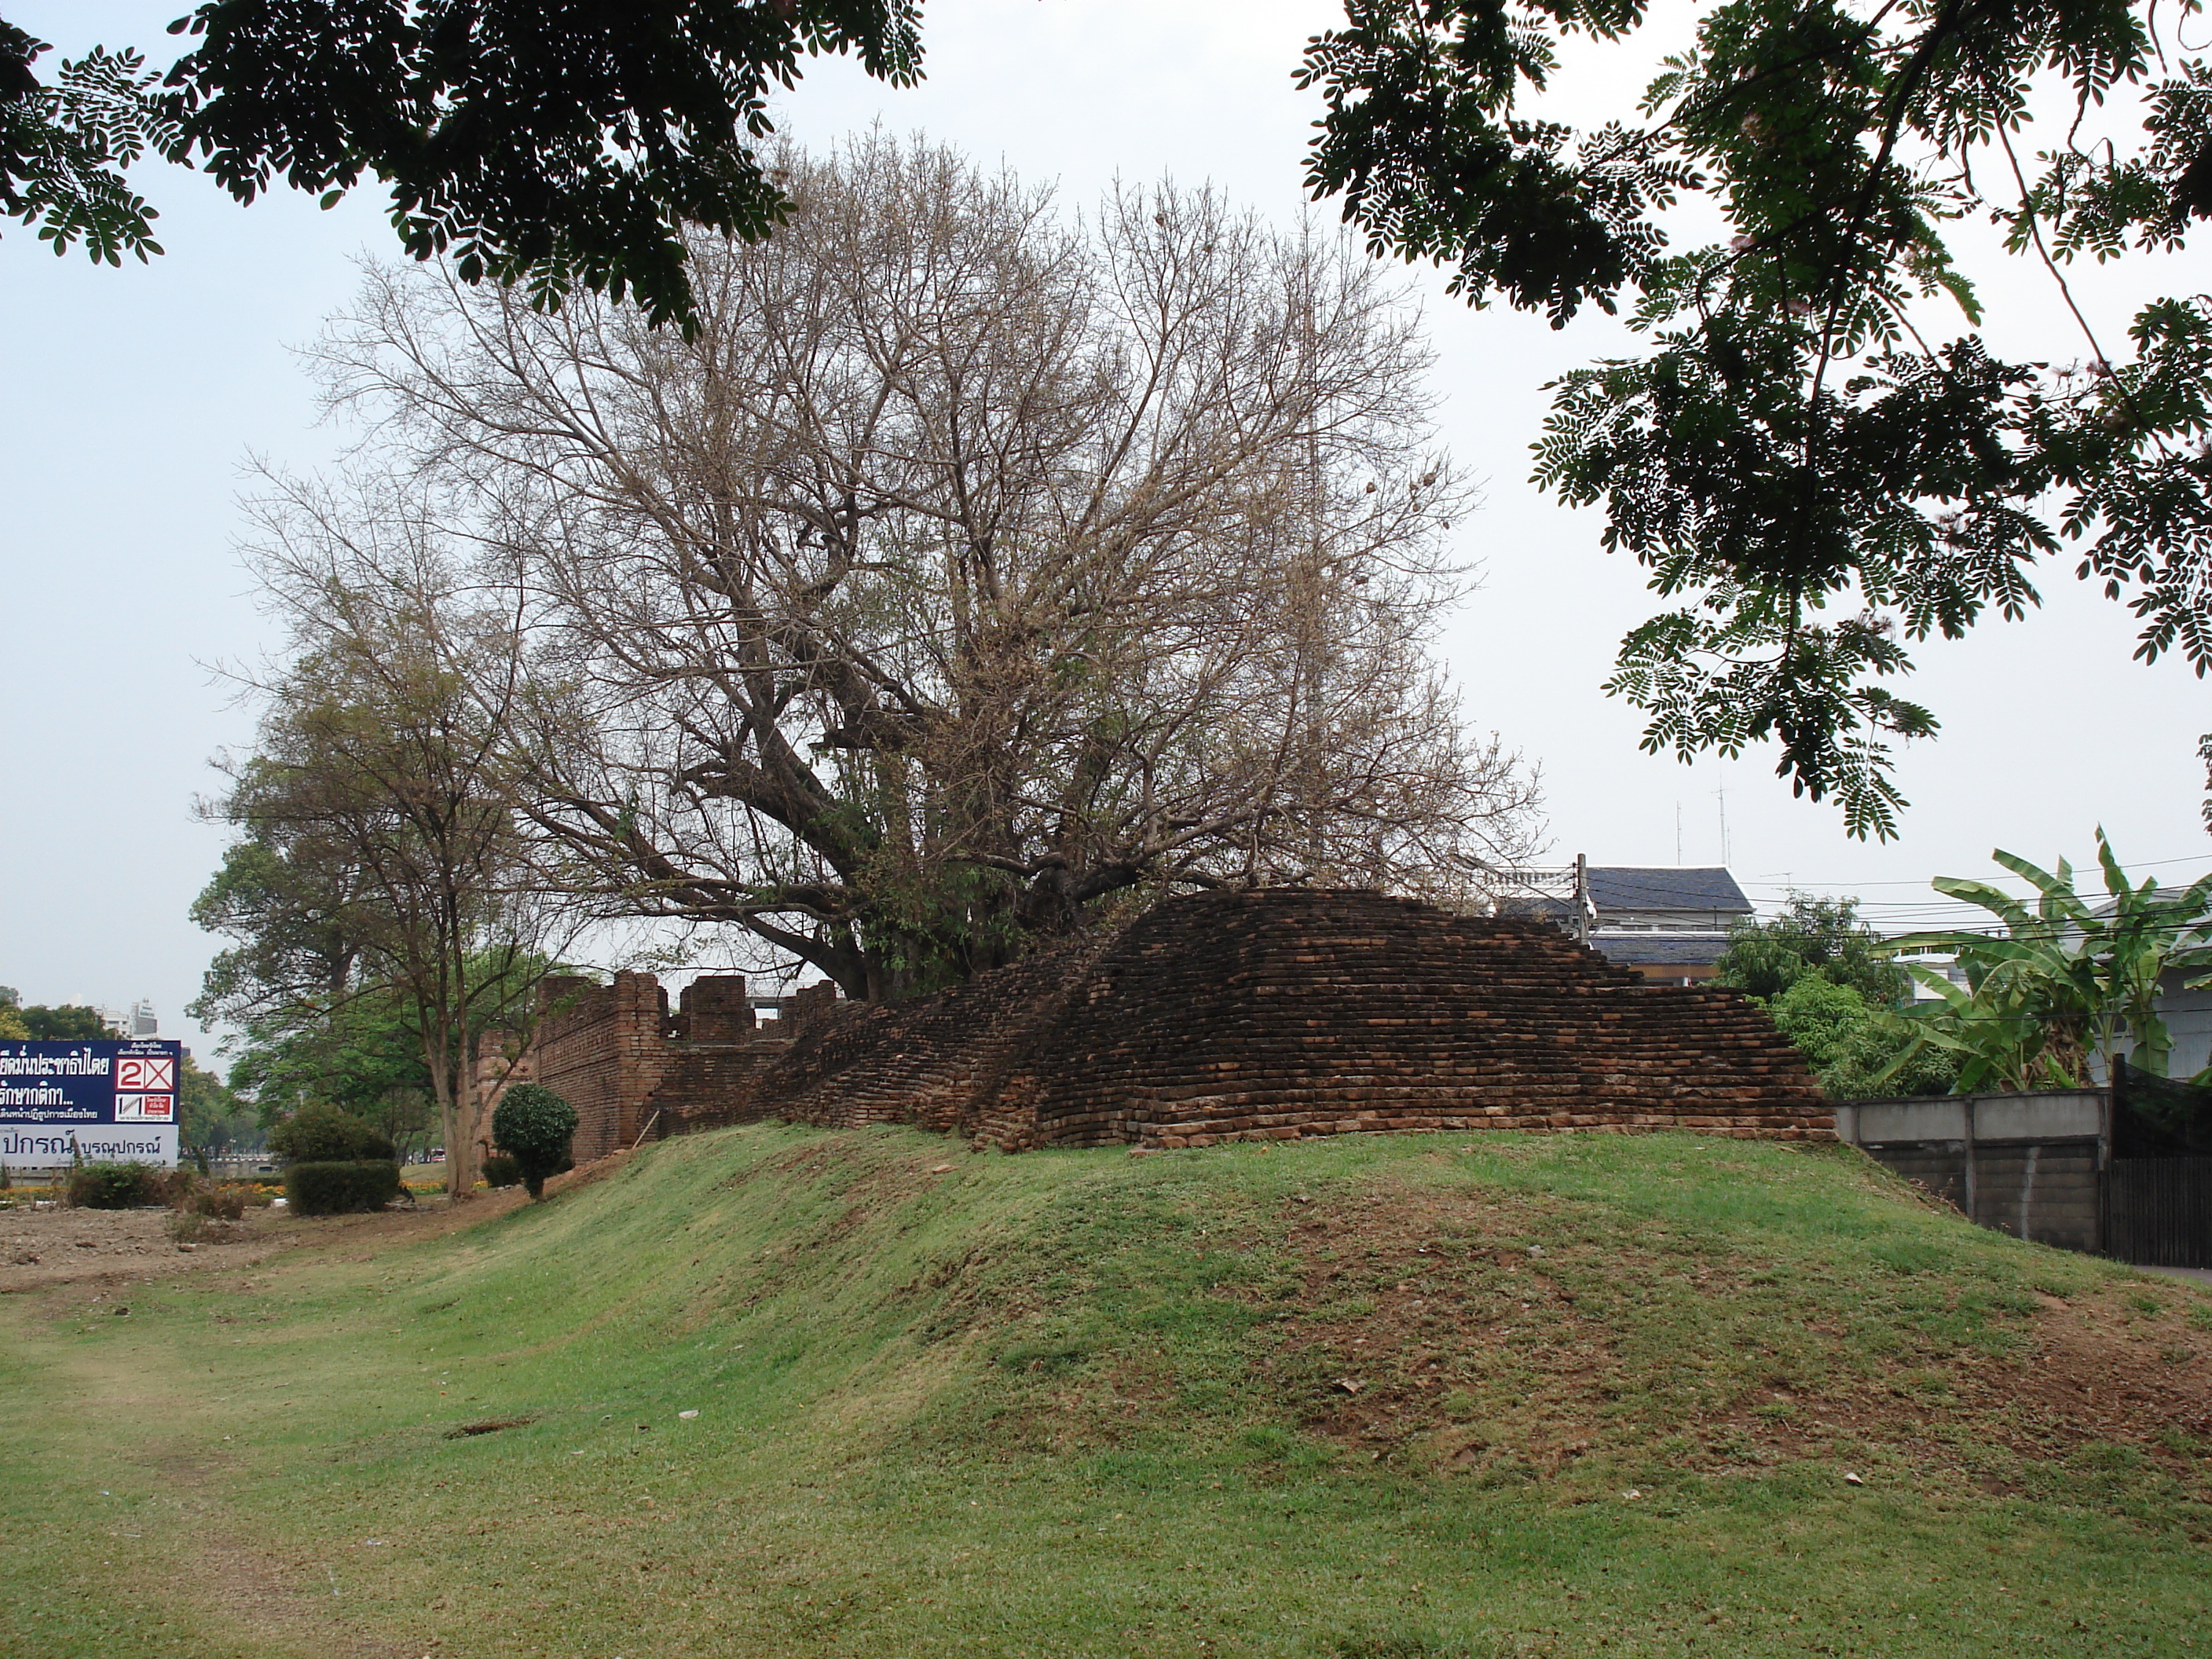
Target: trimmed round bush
x,y
113,1187
336,1188
501,1169
533,1126
328,1135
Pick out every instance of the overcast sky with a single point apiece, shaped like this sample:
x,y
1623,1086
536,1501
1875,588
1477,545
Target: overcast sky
x,y
133,397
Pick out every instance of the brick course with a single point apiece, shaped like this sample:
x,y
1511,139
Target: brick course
x,y
603,1049
1284,1012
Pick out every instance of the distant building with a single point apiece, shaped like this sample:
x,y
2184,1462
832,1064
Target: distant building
x,y
1669,924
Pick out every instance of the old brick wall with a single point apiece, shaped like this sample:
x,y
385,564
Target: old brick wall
x,y
715,1008
939,1062
603,1048
1286,1012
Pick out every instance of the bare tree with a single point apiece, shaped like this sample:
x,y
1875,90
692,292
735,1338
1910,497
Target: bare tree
x,y
384,746
968,572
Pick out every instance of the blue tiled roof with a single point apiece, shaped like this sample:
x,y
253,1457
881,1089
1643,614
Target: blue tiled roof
x,y
1676,949
1619,887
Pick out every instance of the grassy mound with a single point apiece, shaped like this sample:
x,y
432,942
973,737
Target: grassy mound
x,y
780,1392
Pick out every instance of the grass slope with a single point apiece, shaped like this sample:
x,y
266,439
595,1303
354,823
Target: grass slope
x,y
1372,1398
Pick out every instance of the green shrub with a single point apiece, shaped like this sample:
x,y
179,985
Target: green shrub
x,y
113,1186
341,1188
1850,1044
501,1169
325,1134
534,1125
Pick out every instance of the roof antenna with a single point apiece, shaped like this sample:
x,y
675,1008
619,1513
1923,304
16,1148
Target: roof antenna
x,y
1678,835
1723,792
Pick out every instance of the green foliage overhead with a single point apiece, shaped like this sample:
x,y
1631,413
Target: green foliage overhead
x,y
2063,987
534,1125
1808,468
323,1134
64,146
1822,937
554,143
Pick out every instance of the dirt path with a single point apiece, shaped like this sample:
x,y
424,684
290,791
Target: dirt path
x,y
43,1250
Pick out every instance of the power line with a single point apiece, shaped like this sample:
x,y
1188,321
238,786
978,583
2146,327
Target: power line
x,y
1789,883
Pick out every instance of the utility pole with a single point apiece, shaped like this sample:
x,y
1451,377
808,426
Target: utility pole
x,y
1582,908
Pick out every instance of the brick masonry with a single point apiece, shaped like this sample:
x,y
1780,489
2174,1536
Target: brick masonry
x,y
602,1048
1270,1014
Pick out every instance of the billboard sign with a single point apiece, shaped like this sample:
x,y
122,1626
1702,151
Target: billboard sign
x,y
113,1101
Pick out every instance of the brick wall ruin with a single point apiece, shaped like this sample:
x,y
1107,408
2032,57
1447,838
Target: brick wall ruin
x,y
631,1068
1214,1016
599,1047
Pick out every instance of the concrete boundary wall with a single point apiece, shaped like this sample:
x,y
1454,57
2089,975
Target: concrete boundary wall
x,y
2032,1165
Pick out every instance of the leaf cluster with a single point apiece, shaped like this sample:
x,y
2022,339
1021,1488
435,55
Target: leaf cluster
x,y
2061,988
556,145
67,1022
1858,1048
323,1134
64,146
534,1125
1814,937
1794,458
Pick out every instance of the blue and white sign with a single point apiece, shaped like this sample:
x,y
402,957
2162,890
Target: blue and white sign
x,y
106,1103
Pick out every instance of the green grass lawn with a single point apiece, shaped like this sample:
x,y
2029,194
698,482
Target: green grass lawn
x,y
1373,1398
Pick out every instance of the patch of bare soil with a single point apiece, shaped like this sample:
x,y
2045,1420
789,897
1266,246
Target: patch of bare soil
x,y
1424,1330
2126,1363
42,1248
430,1217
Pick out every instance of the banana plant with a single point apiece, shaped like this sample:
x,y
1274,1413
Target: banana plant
x,y
2065,983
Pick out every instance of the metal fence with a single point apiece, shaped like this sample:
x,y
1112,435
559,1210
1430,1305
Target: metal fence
x,y
2158,1210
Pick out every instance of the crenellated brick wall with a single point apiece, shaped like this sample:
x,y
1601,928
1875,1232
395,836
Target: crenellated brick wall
x,y
603,1048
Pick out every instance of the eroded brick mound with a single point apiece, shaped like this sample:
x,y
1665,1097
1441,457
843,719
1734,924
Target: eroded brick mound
x,y
1289,1012
1278,1013
940,1062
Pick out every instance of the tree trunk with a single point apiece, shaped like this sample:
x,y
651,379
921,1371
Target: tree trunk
x,y
462,1175
457,1116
